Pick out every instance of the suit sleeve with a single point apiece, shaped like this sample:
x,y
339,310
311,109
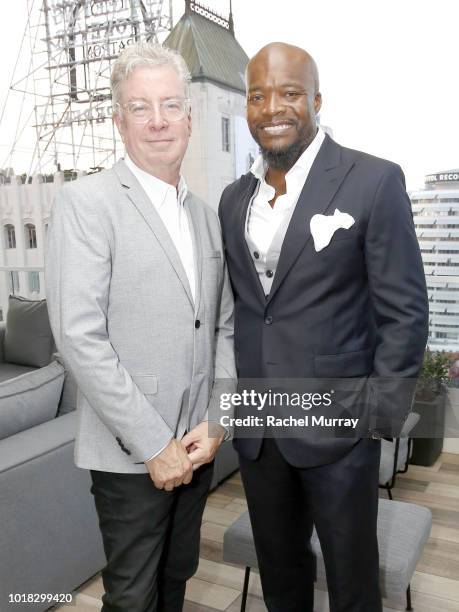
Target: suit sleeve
x,y
78,272
399,300
225,367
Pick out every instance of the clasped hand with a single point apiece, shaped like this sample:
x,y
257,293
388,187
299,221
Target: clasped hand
x,y
175,464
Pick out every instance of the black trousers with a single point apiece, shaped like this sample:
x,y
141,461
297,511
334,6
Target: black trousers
x,y
341,500
151,539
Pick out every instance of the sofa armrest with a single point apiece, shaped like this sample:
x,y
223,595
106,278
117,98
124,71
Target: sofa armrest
x,y
2,340
37,442
49,541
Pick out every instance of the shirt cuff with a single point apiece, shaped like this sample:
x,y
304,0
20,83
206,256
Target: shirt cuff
x,y
158,452
225,431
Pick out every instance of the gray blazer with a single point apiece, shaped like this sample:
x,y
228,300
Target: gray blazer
x,y
148,361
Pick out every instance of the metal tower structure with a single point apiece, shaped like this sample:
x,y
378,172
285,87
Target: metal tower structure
x,y
75,44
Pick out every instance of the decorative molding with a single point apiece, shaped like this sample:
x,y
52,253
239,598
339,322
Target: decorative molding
x,y
209,14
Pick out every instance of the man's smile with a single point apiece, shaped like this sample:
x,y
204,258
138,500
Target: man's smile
x,y
277,128
159,141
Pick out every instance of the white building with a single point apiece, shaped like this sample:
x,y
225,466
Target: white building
x,y
24,213
220,149
436,217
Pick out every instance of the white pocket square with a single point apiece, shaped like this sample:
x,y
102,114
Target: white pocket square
x,y
324,226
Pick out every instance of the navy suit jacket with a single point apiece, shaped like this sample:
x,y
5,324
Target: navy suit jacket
x,y
357,308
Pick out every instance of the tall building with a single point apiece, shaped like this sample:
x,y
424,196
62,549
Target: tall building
x,y
436,217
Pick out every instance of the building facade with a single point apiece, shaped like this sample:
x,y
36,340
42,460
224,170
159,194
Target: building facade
x,y
25,210
436,217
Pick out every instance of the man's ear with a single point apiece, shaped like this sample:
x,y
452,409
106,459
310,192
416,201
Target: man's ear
x,y
317,102
119,124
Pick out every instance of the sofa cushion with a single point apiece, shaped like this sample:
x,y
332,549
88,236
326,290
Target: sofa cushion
x,y
11,370
28,337
30,399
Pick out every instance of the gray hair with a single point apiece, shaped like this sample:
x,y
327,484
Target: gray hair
x,y
146,54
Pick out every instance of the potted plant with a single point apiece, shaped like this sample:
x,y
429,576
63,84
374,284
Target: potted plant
x,y
430,403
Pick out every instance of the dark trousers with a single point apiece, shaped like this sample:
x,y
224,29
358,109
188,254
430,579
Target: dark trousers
x,y
341,500
151,539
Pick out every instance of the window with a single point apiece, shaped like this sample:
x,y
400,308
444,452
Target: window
x,y
30,236
34,282
13,281
10,236
225,134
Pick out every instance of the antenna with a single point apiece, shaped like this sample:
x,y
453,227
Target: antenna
x,y
230,18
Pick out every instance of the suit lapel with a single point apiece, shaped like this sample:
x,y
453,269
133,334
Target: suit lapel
x,y
245,193
140,200
325,177
193,220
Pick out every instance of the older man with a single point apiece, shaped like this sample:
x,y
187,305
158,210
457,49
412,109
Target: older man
x,y
141,310
328,283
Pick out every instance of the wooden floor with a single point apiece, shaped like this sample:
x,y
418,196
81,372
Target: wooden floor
x,y
217,586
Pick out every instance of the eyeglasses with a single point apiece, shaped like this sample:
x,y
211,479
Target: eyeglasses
x,y
173,109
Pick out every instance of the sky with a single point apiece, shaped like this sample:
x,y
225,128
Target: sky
x,y
388,70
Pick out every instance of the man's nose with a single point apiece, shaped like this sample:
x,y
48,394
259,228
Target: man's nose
x,y
156,119
274,104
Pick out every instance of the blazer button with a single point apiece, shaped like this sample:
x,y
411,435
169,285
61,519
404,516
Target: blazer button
x,y
256,254
197,323
268,320
269,273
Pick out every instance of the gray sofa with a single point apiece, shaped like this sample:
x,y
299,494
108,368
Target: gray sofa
x,y
49,540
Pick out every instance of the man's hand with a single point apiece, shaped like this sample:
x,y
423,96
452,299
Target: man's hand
x,y
200,446
171,468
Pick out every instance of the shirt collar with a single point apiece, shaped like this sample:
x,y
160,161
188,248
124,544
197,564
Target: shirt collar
x,y
304,162
155,186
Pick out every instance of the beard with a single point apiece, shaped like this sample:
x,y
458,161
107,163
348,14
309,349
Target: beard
x,y
283,159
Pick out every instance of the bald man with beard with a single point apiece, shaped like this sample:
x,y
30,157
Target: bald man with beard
x,y
329,284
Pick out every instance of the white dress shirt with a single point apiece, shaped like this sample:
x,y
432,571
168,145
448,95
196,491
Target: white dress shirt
x,y
169,204
263,219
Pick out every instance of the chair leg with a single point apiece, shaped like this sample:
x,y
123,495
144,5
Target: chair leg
x,y
407,462
389,492
408,598
245,589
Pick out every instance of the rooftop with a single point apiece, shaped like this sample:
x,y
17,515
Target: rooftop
x,y
207,43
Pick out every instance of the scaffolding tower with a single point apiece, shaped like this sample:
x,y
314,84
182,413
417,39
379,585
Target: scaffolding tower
x,y
74,43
